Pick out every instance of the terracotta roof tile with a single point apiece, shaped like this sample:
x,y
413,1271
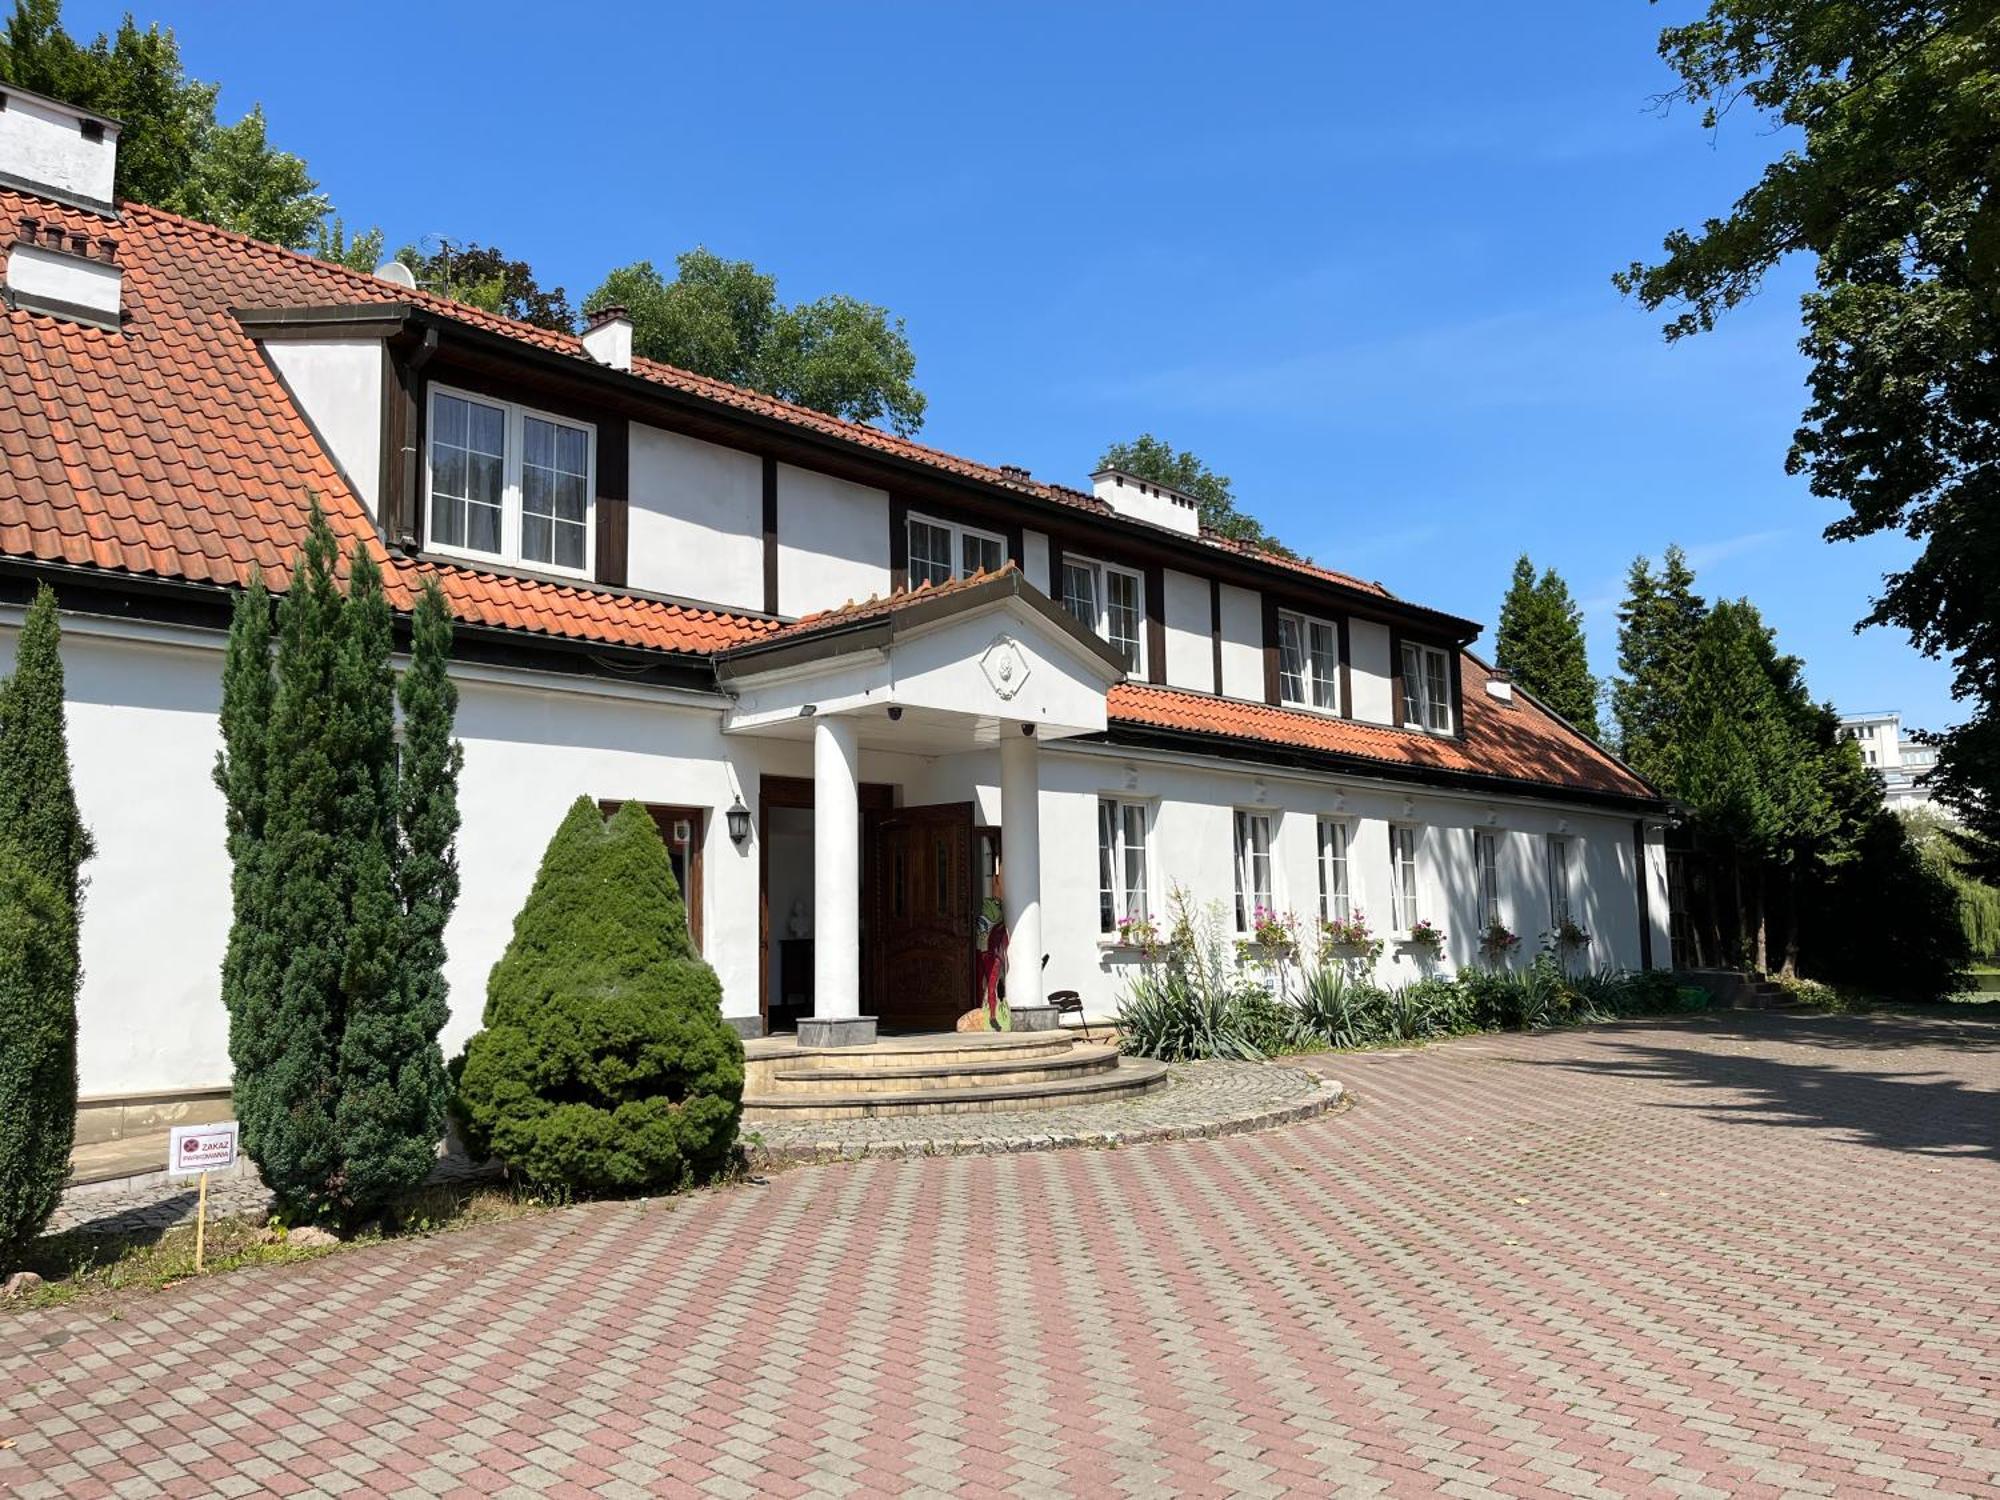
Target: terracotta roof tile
x,y
173,450
1520,742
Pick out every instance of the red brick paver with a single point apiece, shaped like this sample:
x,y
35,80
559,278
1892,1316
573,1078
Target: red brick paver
x,y
1731,1256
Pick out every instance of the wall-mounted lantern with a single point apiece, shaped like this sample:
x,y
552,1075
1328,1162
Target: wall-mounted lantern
x,y
738,817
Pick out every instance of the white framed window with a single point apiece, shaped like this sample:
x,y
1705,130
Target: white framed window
x,y
1486,874
1426,688
1308,663
1254,891
510,484
1403,913
1335,904
1559,898
1111,602
943,550
1121,863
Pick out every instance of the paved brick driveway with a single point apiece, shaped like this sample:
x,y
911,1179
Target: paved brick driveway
x,y
1733,1256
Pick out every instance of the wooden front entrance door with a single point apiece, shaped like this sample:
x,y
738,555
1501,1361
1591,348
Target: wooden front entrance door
x,y
920,884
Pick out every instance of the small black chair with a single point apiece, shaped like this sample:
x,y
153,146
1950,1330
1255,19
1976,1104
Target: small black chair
x,y
1067,1003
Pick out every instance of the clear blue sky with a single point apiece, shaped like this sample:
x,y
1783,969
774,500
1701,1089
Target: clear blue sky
x,y
1356,257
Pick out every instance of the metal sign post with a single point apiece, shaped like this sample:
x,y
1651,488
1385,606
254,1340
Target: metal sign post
x,y
201,1149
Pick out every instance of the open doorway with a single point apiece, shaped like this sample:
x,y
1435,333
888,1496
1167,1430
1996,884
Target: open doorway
x,y
786,898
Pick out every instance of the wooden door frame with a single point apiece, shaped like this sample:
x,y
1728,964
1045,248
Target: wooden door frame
x,y
966,817
876,797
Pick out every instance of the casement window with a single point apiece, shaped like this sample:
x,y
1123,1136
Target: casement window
x,y
1111,602
509,484
1426,688
1254,890
943,550
680,829
1308,663
1559,899
1486,875
1402,877
1334,902
1121,863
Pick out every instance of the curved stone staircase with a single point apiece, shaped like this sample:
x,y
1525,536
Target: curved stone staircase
x,y
937,1074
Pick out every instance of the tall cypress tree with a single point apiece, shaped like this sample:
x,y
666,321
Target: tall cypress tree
x,y
43,845
1541,644
335,990
241,772
1657,627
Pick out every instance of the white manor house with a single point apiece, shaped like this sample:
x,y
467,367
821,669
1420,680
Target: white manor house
x,y
863,684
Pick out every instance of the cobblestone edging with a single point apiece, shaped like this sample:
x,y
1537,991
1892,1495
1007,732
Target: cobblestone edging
x,y
1202,1099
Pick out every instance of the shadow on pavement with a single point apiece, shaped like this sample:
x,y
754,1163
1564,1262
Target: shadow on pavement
x,y
1925,1111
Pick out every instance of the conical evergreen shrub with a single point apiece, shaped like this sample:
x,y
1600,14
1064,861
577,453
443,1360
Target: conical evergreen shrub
x,y
43,845
605,1065
343,882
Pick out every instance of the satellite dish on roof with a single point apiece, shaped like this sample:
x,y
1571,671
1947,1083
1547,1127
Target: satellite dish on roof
x,y
396,271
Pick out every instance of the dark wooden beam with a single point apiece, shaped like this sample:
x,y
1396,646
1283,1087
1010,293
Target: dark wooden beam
x,y
770,535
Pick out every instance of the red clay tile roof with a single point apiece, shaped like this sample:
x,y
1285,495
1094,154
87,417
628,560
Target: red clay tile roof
x,y
172,450
1522,742
877,605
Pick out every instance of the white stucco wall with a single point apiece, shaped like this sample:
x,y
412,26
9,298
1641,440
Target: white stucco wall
x,y
1035,559
338,384
156,918
696,518
1242,643
1368,670
833,541
1190,632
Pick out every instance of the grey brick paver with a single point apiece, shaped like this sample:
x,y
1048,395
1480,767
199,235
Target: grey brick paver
x,y
1757,1254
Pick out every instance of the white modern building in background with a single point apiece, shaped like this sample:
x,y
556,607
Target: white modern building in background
x,y
1903,763
864,686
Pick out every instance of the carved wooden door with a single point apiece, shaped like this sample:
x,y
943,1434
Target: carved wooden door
x,y
921,882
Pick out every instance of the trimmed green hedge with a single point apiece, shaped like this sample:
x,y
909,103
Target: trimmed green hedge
x,y
605,1065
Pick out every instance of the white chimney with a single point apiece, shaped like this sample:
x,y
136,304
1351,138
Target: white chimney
x,y
1500,685
607,337
65,273
57,151
1142,500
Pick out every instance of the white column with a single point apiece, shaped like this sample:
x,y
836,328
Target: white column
x,y
836,869
1021,858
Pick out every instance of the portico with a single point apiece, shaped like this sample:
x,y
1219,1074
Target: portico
x,y
989,667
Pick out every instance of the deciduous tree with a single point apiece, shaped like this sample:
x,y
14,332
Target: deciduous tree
x,y
722,318
1890,189
1150,457
172,152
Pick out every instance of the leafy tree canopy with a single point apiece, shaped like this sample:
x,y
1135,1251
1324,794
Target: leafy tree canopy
x,y
173,153
1541,643
485,277
722,318
1149,457
1891,192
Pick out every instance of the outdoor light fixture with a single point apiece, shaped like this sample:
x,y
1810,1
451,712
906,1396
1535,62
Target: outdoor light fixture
x,y
739,822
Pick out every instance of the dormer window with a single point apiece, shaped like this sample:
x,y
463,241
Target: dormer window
x,y
1110,602
943,550
1308,663
1426,689
509,484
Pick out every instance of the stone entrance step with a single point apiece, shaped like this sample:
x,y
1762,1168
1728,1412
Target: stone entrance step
x,y
943,1070
895,1092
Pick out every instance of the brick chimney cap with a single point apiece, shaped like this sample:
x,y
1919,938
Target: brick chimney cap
x,y
597,317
